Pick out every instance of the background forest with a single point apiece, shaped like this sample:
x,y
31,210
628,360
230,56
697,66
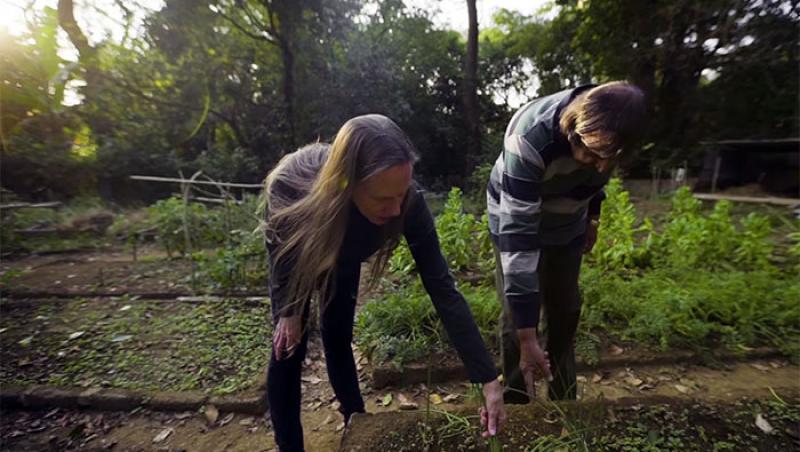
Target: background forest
x,y
229,86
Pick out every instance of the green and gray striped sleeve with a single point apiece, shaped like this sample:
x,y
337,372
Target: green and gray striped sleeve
x,y
518,213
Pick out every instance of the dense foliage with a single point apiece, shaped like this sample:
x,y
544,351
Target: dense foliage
x,y
228,87
694,279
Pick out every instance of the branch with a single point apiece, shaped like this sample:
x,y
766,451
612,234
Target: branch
x,y
66,19
247,32
256,21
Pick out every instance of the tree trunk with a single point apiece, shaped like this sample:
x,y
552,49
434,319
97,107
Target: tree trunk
x,y
289,15
471,108
288,88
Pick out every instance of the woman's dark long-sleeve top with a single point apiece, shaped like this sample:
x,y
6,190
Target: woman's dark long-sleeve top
x,y
363,239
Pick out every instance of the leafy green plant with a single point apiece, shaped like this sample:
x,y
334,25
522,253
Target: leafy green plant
x,y
207,227
684,308
464,240
754,248
403,325
240,264
167,215
688,238
794,250
616,244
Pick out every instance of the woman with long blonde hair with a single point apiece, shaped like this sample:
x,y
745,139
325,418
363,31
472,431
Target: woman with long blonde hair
x,y
329,209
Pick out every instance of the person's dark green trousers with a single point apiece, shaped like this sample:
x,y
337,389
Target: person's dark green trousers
x,y
559,268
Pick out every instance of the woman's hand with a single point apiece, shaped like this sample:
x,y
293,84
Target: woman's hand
x,y
287,336
493,413
533,362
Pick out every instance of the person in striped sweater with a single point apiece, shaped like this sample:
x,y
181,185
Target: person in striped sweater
x,y
544,196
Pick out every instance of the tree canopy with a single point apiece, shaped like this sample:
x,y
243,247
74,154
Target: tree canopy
x,y
229,86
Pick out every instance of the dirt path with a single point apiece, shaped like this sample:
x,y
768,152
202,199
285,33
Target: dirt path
x,y
75,430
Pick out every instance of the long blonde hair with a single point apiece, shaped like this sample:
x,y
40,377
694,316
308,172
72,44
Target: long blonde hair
x,y
308,207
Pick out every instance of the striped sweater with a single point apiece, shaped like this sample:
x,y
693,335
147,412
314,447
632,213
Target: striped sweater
x,y
538,196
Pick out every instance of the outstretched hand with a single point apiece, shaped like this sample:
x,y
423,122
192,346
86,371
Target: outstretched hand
x,y
493,413
534,363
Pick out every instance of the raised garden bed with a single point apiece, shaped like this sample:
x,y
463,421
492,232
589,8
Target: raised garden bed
x,y
662,424
214,348
444,368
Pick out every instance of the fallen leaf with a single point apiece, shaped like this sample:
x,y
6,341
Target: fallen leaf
x,y
3,330
125,308
122,338
763,424
402,398
247,421
76,334
387,399
760,367
313,379
26,342
682,389
633,381
451,398
436,399
163,435
616,350
596,378
408,406
212,414
550,418
227,419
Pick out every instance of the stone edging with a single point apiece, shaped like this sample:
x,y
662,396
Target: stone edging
x,y
111,399
388,375
172,296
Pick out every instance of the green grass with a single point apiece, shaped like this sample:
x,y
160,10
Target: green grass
x,y
217,347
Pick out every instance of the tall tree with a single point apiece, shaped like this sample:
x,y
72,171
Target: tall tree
x,y
470,91
275,22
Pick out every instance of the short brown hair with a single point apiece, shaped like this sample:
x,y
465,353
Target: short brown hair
x,y
606,118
